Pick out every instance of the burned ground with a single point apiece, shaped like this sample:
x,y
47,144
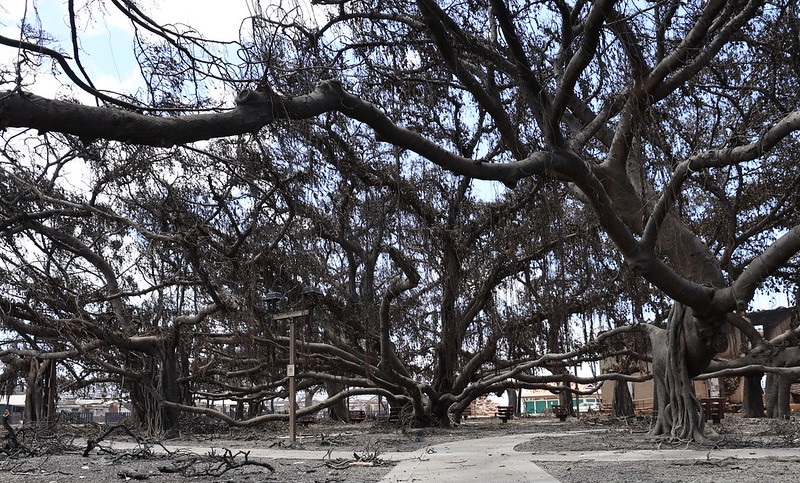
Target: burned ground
x,y
56,454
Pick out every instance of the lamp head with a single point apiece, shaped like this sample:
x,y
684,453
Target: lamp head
x,y
312,295
272,299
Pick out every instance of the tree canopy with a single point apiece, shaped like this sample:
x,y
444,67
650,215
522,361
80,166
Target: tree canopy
x,y
488,193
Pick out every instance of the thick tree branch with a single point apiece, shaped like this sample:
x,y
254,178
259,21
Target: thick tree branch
x,y
760,268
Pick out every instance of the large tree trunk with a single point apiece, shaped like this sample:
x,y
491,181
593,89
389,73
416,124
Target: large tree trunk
x,y
623,402
778,403
565,400
253,408
680,353
337,411
238,412
40,391
170,389
686,348
145,409
161,371
511,394
753,397
452,333
438,413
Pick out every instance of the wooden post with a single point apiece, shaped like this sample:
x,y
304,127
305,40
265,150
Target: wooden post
x,y
292,384
290,369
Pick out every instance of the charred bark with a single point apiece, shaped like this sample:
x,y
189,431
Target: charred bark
x,y
337,411
681,352
623,402
511,394
778,396
40,391
159,375
565,399
753,398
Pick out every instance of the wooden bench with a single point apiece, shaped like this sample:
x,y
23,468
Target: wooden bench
x,y
713,409
306,420
505,413
394,414
357,416
467,412
561,412
77,417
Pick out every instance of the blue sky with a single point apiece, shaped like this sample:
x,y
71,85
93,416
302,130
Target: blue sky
x,y
106,36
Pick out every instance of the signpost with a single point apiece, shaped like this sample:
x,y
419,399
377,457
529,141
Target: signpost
x,y
273,300
290,369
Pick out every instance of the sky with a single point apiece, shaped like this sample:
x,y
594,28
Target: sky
x,y
106,36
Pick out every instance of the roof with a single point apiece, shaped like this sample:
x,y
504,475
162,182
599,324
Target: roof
x,y
770,318
13,400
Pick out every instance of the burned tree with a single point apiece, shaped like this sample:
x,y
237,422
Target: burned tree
x,y
673,125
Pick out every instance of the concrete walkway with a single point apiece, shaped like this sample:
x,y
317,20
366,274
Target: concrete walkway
x,y
494,459
486,459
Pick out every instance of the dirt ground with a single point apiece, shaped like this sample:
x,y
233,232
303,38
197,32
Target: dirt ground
x,y
60,452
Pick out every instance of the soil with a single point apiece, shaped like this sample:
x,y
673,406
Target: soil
x,y
58,452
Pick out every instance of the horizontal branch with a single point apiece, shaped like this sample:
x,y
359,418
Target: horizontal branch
x,y
254,111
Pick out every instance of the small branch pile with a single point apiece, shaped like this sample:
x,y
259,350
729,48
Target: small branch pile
x,y
368,457
35,439
212,464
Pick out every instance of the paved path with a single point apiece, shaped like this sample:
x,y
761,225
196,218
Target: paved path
x,y
494,459
485,459
792,454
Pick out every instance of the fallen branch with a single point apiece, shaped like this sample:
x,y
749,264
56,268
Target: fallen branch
x,y
95,443
12,444
212,464
368,458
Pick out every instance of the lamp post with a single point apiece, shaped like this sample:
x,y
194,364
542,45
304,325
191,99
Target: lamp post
x,y
272,299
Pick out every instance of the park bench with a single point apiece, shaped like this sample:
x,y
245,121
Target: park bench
x,y
357,416
561,412
713,409
394,414
505,413
114,418
305,420
77,417
467,412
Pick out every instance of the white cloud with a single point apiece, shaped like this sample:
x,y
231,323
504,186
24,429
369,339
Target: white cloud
x,y
213,19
